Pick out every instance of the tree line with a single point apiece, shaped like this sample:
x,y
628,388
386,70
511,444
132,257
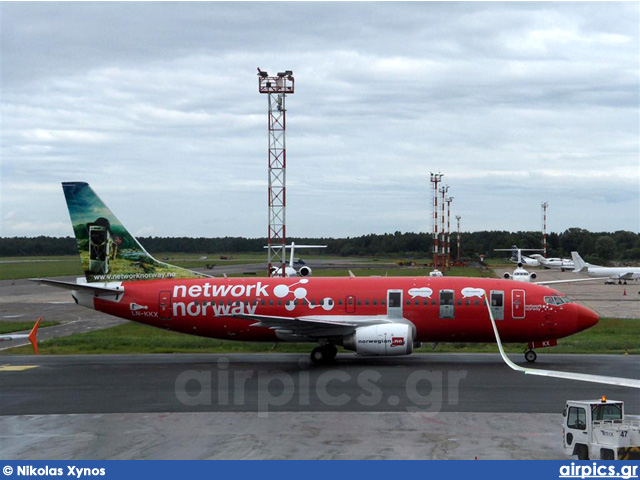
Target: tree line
x,y
593,246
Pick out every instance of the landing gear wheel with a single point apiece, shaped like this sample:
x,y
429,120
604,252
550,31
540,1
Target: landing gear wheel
x,y
324,354
530,356
318,356
332,351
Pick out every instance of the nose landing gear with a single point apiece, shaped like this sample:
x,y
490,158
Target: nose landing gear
x,y
530,356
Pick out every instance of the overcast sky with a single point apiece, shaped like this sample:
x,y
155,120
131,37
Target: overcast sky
x,y
156,105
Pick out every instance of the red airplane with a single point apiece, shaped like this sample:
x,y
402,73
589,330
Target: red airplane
x,y
385,316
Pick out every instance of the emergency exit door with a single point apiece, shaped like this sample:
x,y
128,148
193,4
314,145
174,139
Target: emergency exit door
x,y
447,304
164,305
394,303
517,303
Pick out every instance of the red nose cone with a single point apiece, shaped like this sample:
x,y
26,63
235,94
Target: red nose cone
x,y
586,318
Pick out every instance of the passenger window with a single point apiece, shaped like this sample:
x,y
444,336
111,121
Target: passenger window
x,y
366,302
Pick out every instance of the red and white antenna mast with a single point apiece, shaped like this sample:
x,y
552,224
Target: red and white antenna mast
x,y
544,228
435,179
277,88
449,200
443,244
458,217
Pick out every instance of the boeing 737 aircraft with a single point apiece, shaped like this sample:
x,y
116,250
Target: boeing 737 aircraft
x,y
371,316
622,274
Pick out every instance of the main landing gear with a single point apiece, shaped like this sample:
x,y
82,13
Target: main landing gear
x,y
530,356
324,354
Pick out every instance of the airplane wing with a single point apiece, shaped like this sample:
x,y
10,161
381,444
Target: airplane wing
x,y
584,377
320,325
549,282
626,276
32,336
97,290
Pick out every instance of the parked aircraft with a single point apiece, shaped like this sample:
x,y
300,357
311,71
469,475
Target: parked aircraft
x,y
622,274
517,257
522,275
32,336
384,316
555,263
289,270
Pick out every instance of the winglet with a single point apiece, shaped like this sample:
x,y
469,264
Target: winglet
x,y
33,335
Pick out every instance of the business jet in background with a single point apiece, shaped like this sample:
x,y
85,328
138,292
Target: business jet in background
x,y
518,258
621,274
289,270
554,263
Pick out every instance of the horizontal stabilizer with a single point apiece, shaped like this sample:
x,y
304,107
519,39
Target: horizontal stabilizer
x,y
97,290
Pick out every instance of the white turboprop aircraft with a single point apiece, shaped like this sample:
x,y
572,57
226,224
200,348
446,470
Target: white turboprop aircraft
x,y
622,274
289,270
555,263
517,257
32,336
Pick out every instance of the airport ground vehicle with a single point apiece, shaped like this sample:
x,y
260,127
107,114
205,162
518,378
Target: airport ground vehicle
x,y
599,430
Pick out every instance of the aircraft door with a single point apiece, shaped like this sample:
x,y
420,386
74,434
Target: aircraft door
x,y
497,304
447,304
164,305
350,304
394,303
517,303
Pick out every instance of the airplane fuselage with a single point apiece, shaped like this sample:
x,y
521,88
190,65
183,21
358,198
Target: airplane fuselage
x,y
442,309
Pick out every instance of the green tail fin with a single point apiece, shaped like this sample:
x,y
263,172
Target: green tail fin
x,y
108,251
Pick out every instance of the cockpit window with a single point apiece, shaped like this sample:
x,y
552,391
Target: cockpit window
x,y
556,300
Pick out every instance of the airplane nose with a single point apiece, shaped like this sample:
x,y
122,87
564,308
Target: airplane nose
x,y
586,318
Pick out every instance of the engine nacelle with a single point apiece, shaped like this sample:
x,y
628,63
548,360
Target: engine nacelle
x,y
533,276
305,271
383,340
506,275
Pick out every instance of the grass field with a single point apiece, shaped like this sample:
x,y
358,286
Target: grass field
x,y
610,335
56,266
11,327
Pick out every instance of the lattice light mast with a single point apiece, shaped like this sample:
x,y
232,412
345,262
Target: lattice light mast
x,y
443,235
449,200
544,228
277,88
435,179
458,217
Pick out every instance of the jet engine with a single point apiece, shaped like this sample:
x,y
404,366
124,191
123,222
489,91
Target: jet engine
x,y
304,271
385,339
533,276
506,275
